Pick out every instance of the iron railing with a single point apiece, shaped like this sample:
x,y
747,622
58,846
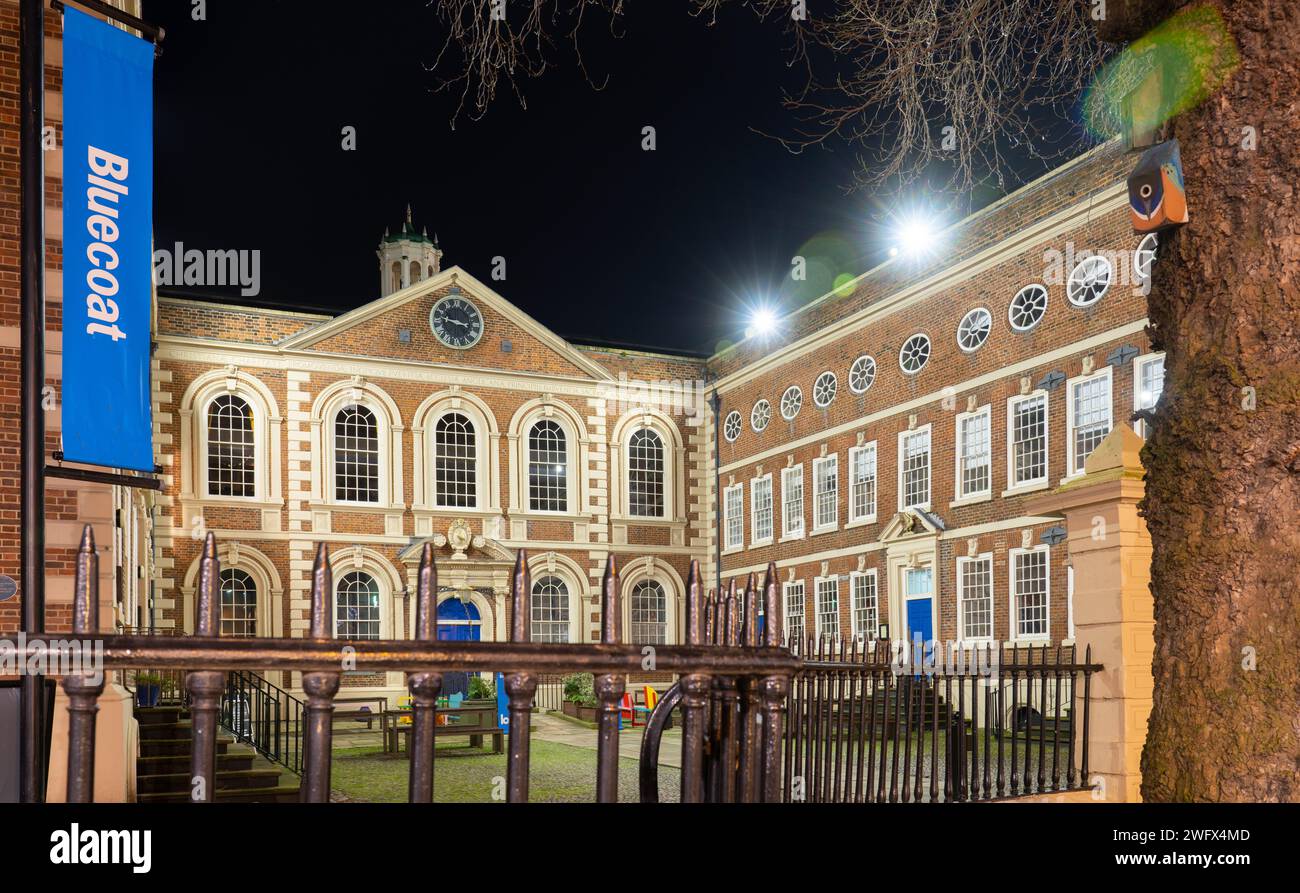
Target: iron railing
x,y
550,693
758,675
882,723
264,716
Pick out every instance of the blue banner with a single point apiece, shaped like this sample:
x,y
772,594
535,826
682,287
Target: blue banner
x,y
107,243
503,704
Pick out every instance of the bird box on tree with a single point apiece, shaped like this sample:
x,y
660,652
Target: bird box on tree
x,y
1156,197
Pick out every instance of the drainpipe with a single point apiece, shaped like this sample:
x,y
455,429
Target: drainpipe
x,y
715,403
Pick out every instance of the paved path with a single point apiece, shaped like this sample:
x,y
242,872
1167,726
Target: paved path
x,y
550,727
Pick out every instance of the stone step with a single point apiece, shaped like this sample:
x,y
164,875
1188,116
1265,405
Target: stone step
x,y
179,782
285,792
158,747
233,760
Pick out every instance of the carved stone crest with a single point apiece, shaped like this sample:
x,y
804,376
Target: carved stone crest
x,y
460,538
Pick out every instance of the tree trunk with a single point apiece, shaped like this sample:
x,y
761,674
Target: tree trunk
x,y
1223,459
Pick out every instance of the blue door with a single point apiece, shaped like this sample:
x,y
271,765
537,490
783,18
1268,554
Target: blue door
x,y
918,620
918,591
457,622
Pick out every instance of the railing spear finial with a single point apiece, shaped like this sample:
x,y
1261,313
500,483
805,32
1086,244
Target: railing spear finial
x,y
519,590
426,596
751,612
85,599
773,634
610,613
694,605
322,584
208,622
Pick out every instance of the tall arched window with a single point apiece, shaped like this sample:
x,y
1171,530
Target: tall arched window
x,y
231,466
455,483
649,614
415,271
645,474
357,606
550,610
548,469
356,455
238,604
397,275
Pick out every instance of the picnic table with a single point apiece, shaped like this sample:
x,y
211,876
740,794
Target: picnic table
x,y
473,720
359,714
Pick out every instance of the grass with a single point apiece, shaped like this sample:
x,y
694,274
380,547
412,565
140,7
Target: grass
x,y
559,773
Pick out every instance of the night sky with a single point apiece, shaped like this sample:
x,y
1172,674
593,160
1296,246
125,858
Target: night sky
x,y
603,242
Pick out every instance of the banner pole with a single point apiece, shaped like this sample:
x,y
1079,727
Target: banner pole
x,y
32,511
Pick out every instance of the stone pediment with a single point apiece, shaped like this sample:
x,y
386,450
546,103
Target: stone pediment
x,y
458,544
912,523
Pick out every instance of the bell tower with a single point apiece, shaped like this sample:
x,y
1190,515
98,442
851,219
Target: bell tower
x,y
407,257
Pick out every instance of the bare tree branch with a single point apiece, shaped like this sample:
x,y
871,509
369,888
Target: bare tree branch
x,y
918,86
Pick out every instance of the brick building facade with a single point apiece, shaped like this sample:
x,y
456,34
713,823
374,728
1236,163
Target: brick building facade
x,y
880,446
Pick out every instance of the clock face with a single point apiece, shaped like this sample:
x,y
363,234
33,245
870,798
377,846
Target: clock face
x,y
456,322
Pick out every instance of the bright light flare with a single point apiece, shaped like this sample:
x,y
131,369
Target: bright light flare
x,y
762,322
916,236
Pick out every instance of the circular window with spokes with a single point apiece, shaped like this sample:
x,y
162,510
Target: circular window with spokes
x,y
760,415
1145,256
861,374
914,354
974,328
791,402
1089,280
731,426
824,389
1027,307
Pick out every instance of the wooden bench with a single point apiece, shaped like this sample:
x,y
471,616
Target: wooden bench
x,y
475,721
368,715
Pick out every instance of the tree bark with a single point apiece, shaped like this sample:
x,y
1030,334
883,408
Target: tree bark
x,y
1223,457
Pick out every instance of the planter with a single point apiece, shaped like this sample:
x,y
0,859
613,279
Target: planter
x,y
147,695
580,711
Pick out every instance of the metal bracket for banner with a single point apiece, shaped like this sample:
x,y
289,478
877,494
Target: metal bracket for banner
x,y
92,476
152,33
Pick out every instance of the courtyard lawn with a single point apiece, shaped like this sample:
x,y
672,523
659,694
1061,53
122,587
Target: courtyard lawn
x,y
559,773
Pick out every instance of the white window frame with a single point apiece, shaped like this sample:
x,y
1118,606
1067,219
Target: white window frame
x,y
794,472
959,451
1013,486
863,634
929,495
962,561
1013,617
1103,373
818,631
1138,365
785,610
833,460
867,517
755,539
729,513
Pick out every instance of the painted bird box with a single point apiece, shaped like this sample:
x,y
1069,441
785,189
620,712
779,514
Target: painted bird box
x,y
1156,197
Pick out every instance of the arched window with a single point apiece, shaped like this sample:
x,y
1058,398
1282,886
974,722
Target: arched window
x,y
356,455
231,465
548,472
397,275
455,483
238,604
649,614
645,474
550,610
357,606
415,271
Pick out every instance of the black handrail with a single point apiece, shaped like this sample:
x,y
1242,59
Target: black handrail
x,y
265,716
